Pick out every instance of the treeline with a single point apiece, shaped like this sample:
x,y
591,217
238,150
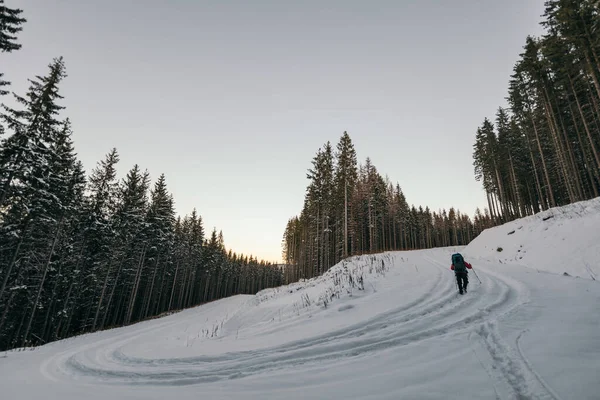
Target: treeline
x,y
351,209
78,253
544,151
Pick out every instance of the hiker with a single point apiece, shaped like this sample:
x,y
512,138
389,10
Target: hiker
x,y
459,266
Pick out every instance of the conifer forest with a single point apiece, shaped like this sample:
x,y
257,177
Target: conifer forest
x,y
540,152
543,150
81,252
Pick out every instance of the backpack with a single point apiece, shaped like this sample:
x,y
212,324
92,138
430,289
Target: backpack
x,y
459,263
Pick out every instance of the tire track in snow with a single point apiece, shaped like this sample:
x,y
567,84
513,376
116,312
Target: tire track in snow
x,y
554,395
75,362
381,321
510,368
524,382
296,352
370,345
414,312
59,361
488,370
437,312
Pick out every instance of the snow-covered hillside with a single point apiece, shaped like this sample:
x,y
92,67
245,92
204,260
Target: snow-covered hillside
x,y
559,240
389,326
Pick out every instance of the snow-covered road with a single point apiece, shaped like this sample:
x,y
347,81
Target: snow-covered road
x,y
519,334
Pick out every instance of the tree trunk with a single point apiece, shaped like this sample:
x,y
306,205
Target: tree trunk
x,y
10,299
503,204
489,206
184,285
149,300
496,205
13,260
544,168
135,288
588,162
57,333
41,286
585,125
572,168
557,145
112,291
50,309
519,200
590,41
541,200
585,159
161,305
99,306
173,288
592,72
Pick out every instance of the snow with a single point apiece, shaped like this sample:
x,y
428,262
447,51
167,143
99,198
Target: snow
x,y
402,332
559,240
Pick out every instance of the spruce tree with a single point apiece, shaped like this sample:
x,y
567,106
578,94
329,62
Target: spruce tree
x,y
160,231
98,236
131,226
64,187
344,180
28,203
10,25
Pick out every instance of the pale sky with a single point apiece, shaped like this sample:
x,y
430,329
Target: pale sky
x,y
232,99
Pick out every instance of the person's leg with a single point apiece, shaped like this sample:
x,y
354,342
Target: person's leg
x,y
459,281
465,282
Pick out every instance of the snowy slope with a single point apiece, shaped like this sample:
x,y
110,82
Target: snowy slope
x,y
559,240
390,326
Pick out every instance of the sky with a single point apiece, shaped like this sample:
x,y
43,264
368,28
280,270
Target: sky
x,y
232,99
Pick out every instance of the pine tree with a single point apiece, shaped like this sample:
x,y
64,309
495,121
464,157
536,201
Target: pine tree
x,y
344,184
33,128
98,236
318,208
64,187
10,25
31,211
160,231
69,255
133,227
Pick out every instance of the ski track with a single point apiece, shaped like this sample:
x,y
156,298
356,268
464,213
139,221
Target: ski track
x,y
437,312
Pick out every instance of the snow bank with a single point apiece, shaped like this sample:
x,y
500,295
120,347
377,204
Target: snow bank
x,y
558,240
